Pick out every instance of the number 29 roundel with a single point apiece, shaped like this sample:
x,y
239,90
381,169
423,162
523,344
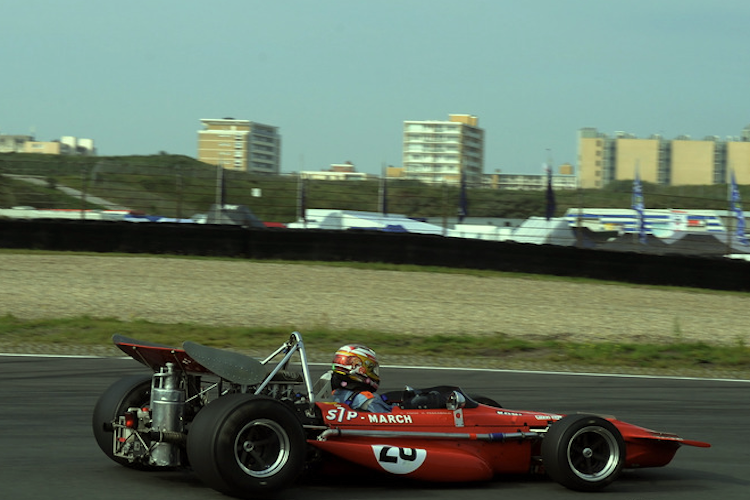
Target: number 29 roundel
x,y
399,460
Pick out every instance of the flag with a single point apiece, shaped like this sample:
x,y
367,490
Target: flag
x,y
551,206
637,205
736,207
221,187
302,199
463,202
384,194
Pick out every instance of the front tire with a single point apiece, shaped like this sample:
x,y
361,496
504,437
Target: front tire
x,y
133,391
583,452
245,445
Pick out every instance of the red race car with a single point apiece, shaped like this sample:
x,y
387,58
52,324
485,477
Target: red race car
x,y
248,427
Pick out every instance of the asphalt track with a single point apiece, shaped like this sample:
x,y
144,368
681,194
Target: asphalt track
x,y
47,449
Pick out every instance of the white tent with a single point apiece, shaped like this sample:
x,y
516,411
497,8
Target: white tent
x,y
481,232
351,219
540,231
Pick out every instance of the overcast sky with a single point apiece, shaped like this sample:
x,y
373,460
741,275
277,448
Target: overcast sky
x,y
339,77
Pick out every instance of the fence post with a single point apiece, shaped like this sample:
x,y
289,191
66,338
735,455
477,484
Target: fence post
x,y
84,183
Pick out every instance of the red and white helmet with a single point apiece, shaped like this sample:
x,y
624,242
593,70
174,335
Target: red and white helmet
x,y
358,363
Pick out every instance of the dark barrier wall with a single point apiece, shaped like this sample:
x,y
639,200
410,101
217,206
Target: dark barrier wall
x,y
367,246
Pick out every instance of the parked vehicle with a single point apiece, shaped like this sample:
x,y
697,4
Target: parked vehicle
x,y
248,427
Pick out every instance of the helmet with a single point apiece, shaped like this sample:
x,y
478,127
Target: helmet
x,y
359,363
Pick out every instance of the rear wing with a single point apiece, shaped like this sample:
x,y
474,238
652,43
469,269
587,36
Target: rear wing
x,y
252,375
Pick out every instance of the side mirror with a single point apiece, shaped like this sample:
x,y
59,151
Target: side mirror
x,y
456,401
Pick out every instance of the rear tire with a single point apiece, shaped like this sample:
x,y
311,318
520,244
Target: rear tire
x,y
583,452
133,391
245,445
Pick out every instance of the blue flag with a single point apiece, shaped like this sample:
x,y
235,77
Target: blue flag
x,y
736,207
637,205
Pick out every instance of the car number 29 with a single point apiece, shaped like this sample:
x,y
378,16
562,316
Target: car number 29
x,y
399,460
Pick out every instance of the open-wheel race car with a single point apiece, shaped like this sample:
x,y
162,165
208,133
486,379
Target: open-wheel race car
x,y
250,428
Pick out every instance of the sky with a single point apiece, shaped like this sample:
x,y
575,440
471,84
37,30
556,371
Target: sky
x,y
339,77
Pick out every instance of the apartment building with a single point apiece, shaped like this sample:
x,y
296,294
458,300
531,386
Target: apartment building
x,y
240,145
441,151
676,162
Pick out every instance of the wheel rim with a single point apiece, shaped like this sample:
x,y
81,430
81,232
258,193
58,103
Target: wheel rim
x,y
593,453
262,448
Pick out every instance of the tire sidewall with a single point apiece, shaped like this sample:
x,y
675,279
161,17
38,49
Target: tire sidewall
x,y
127,392
211,444
555,451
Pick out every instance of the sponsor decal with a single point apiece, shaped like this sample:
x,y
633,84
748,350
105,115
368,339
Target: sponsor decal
x,y
671,438
548,417
341,414
510,413
389,418
399,460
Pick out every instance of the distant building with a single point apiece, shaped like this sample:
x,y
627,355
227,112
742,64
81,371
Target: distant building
x,y
45,148
338,172
564,179
440,151
566,169
681,161
395,172
532,182
240,145
343,167
13,143
67,145
81,146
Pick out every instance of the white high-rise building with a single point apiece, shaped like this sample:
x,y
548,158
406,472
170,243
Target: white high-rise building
x,y
441,151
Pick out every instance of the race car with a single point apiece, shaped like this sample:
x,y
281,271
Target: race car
x,y
249,428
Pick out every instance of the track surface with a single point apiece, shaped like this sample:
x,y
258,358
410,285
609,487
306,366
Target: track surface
x,y
47,449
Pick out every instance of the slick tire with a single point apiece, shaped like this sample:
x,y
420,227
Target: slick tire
x,y
133,391
583,452
246,446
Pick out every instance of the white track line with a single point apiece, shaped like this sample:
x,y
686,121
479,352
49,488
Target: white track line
x,y
72,356
489,370
578,374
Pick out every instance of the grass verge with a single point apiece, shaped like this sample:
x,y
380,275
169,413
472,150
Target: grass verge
x,y
83,334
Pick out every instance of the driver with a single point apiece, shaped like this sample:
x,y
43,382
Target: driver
x,y
355,378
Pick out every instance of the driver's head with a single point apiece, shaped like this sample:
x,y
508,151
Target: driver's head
x,y
356,363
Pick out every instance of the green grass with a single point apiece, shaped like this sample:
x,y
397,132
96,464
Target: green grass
x,y
492,351
666,356
496,351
